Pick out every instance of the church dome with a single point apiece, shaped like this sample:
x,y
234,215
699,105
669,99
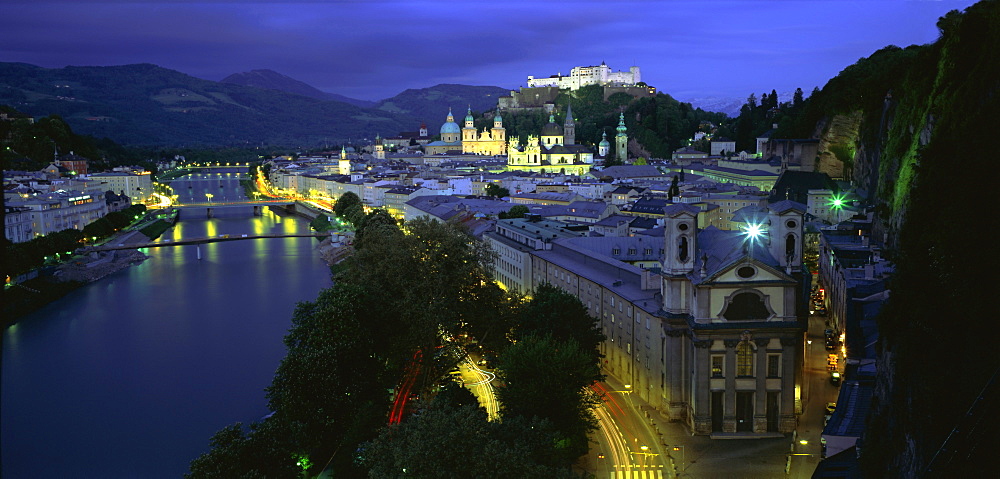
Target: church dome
x,y
552,128
450,127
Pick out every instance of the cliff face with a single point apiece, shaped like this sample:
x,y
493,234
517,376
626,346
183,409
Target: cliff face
x,y
921,121
837,144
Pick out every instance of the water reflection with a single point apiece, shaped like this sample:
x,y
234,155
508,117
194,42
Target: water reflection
x,y
131,376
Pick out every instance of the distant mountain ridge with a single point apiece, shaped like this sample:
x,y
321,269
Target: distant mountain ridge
x,y
147,105
273,80
430,105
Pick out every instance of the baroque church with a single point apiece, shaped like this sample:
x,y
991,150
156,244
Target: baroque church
x,y
492,142
553,151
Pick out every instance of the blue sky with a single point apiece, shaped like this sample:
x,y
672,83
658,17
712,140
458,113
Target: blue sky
x,y
376,49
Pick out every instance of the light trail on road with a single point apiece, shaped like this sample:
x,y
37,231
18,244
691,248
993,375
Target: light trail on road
x,y
483,389
619,454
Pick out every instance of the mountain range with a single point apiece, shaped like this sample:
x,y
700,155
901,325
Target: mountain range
x,y
147,105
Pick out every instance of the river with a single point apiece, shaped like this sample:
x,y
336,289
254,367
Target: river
x,y
130,376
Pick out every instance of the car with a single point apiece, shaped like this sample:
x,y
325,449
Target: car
x,y
830,407
835,378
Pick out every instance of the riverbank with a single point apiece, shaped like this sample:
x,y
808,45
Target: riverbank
x,y
54,282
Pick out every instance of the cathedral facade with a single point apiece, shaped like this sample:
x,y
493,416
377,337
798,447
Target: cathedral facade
x,y
487,142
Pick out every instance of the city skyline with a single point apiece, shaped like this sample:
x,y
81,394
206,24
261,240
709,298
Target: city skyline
x,y
375,50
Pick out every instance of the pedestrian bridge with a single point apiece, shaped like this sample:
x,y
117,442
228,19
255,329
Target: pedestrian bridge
x,y
199,241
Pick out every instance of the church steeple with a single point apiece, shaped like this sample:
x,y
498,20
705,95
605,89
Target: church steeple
x,y
621,139
469,120
569,127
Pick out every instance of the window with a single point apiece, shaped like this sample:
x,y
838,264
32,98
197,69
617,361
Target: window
x,y
773,365
647,251
744,359
631,251
616,251
746,306
717,365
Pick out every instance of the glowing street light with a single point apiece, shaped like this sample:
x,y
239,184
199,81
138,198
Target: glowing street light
x,y
837,201
209,196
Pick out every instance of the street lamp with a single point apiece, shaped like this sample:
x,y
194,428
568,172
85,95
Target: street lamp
x,y
209,196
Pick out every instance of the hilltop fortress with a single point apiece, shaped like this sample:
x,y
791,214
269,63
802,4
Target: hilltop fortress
x,y
592,75
541,92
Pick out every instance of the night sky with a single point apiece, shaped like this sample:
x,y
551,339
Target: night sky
x,y
375,49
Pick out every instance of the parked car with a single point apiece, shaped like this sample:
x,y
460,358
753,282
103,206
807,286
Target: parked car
x,y
835,378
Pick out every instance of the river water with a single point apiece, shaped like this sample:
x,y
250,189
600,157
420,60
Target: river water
x,y
130,376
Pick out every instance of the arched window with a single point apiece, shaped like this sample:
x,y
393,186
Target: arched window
x,y
682,249
790,246
746,306
744,358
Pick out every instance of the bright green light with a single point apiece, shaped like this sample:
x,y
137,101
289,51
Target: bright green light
x,y
837,201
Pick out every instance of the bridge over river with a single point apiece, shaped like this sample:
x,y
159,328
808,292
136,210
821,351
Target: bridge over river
x,y
198,241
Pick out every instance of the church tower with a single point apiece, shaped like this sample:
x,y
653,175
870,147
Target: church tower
x,y
621,140
344,165
604,146
569,127
785,233
469,131
379,148
499,132
680,233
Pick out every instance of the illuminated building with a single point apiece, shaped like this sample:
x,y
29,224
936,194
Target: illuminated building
x,y
713,336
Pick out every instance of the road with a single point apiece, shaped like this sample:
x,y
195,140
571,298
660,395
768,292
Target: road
x,y
817,392
627,442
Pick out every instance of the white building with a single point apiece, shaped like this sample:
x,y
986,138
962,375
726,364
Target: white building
x,y
62,210
138,187
590,75
17,224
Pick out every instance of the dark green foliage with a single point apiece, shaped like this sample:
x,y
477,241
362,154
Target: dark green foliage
x,y
516,211
944,263
321,223
497,191
458,442
345,201
547,378
554,311
156,229
33,146
262,452
23,257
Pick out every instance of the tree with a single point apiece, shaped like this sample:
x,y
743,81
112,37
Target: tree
x,y
262,452
516,211
449,442
560,314
321,223
640,161
547,378
797,98
496,191
345,201
354,214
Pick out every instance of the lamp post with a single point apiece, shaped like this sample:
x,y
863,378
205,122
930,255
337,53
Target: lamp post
x,y
209,196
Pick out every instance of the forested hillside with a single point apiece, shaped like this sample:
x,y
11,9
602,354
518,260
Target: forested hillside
x,y
656,125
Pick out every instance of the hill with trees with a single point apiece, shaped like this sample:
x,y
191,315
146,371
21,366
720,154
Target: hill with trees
x,y
911,129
